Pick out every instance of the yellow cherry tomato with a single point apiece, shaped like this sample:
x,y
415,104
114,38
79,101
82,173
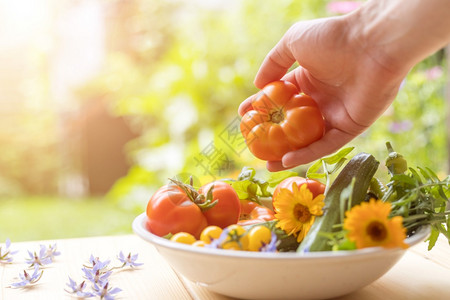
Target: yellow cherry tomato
x,y
199,244
230,245
210,233
258,236
183,237
237,238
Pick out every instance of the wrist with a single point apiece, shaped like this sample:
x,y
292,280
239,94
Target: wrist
x,y
397,35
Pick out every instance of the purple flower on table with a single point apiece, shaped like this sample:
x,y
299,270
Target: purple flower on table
x,y
97,263
6,254
38,260
78,289
50,252
27,279
342,7
96,275
105,292
129,260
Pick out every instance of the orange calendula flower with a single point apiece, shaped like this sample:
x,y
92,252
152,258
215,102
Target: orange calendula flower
x,y
368,225
296,210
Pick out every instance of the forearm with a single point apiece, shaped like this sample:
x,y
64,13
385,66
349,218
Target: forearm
x,y
400,33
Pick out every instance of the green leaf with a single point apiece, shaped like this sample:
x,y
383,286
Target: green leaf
x,y
317,176
246,173
263,188
338,155
425,174
338,165
277,177
338,158
402,178
314,168
433,175
346,199
433,237
242,188
444,231
416,176
346,245
448,228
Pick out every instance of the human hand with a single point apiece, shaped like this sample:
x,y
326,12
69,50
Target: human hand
x,y
352,84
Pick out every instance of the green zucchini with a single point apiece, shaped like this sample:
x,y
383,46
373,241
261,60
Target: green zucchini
x,y
362,168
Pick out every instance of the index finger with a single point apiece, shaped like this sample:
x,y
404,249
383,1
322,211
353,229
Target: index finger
x,y
246,105
275,64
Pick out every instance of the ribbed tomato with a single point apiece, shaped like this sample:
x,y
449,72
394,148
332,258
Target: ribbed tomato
x,y
281,120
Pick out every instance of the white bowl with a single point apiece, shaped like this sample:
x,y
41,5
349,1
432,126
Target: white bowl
x,y
289,275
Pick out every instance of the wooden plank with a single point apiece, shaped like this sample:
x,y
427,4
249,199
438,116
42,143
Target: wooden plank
x,y
413,277
418,275
154,280
440,253
199,292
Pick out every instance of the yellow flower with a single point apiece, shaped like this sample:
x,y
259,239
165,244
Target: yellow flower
x,y
368,225
296,210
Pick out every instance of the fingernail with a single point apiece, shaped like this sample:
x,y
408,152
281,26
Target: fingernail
x,y
285,161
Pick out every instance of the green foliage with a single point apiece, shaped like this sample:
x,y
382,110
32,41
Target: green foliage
x,y
416,121
29,152
43,218
191,94
250,187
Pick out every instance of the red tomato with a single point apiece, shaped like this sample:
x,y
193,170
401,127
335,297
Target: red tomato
x,y
170,210
282,120
227,209
253,213
314,186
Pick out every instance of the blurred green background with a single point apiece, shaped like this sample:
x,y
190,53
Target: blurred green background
x,y
102,101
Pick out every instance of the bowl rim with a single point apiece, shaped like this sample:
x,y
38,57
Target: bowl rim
x,y
140,229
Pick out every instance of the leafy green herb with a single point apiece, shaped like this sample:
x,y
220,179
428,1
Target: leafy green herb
x,y
424,201
328,165
249,187
419,196
277,177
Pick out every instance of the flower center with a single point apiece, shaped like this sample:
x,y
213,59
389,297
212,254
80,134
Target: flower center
x,y
302,213
377,231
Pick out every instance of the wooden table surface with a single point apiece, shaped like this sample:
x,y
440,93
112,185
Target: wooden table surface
x,y
419,274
